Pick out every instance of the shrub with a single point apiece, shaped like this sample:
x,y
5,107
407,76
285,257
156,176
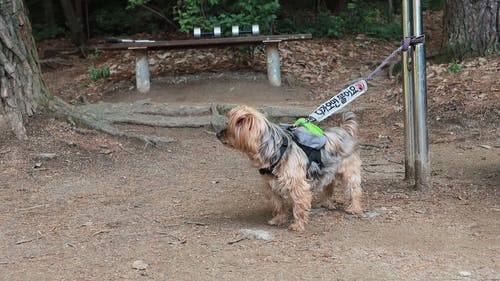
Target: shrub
x,y
323,24
366,17
45,31
455,68
96,74
114,19
209,13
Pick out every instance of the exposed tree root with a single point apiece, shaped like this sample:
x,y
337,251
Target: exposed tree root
x,y
105,116
82,116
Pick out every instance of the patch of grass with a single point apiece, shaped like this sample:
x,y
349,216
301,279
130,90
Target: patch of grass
x,y
96,74
455,68
95,54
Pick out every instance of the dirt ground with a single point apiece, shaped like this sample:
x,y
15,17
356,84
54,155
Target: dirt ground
x,y
96,204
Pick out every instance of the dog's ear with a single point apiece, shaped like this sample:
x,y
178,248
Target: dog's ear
x,y
246,126
245,122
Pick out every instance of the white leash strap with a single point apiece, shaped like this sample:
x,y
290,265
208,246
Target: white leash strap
x,y
338,101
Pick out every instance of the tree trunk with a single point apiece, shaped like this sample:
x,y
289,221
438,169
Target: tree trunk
x,y
48,12
21,84
336,6
471,27
73,14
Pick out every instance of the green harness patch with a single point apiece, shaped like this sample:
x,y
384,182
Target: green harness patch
x,y
310,127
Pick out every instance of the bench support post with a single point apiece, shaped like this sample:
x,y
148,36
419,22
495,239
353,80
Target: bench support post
x,y
142,71
273,63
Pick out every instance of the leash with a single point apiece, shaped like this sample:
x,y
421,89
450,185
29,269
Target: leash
x,y
353,91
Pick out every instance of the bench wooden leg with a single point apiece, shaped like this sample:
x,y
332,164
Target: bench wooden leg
x,y
273,64
142,71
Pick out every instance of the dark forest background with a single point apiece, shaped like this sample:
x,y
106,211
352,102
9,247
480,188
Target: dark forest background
x,y
81,20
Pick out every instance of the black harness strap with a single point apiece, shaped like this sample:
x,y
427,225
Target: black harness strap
x,y
314,155
269,171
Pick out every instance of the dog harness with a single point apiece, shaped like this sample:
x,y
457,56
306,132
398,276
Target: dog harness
x,y
309,142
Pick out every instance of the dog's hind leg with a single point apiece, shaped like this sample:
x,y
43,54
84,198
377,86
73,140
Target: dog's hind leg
x,y
326,197
350,175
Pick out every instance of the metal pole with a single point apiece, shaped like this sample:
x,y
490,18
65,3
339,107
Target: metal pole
x,y
422,164
273,63
409,124
142,71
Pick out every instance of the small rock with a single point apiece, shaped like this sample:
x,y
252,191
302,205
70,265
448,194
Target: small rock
x,y
46,156
485,146
464,274
247,261
163,55
140,265
420,211
106,151
152,61
257,234
369,215
315,211
69,143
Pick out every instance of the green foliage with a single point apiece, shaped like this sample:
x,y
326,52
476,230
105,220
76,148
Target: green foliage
x,y
134,3
45,31
388,31
113,21
455,68
434,5
95,54
366,17
209,13
322,25
96,74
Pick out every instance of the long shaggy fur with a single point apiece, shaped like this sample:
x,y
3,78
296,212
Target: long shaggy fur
x,y
292,179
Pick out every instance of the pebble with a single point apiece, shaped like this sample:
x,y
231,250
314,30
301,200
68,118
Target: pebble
x,y
369,215
257,234
464,274
420,211
46,156
140,265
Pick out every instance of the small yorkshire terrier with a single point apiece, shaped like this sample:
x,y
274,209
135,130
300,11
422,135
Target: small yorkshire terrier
x,y
289,174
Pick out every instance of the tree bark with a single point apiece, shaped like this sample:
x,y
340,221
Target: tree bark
x,y
21,84
471,27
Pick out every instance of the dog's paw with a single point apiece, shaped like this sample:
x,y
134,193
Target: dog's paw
x,y
278,220
297,227
354,209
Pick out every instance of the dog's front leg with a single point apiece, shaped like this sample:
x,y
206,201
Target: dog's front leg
x,y
280,215
301,198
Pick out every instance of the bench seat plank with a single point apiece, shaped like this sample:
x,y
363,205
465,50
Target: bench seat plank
x,y
204,42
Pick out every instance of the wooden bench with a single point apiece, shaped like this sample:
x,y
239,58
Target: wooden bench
x,y
141,49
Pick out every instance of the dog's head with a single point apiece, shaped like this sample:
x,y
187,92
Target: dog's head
x,y
244,130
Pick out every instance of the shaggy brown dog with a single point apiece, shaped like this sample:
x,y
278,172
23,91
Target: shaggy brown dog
x,y
289,174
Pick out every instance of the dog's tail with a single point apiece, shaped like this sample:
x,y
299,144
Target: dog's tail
x,y
349,123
